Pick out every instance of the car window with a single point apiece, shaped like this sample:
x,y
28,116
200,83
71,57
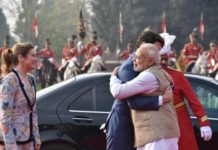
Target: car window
x,y
208,97
104,99
54,87
83,102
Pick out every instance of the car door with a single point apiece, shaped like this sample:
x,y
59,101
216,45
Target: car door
x,y
87,110
207,93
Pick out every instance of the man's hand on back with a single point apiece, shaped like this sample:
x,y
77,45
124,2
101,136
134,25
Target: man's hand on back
x,y
115,71
168,95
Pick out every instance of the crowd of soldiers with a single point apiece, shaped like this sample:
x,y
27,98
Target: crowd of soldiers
x,y
188,56
85,53
193,50
70,50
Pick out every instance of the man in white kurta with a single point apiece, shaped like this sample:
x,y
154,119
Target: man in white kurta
x,y
146,83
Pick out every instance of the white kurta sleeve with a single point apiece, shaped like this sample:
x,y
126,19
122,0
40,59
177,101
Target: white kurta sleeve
x,y
145,82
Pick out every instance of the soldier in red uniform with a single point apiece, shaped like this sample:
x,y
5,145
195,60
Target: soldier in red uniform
x,y
212,58
91,49
182,89
69,51
192,50
125,54
46,52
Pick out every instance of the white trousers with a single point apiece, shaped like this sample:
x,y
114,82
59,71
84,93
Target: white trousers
x,y
162,144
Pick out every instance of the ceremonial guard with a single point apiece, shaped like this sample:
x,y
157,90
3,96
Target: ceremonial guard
x,y
192,50
213,57
91,49
125,54
69,51
46,52
183,90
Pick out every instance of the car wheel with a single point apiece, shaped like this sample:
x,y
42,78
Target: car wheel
x,y
57,146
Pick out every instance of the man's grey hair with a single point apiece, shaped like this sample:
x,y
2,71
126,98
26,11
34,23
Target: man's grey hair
x,y
152,52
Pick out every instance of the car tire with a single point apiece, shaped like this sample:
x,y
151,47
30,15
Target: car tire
x,y
57,146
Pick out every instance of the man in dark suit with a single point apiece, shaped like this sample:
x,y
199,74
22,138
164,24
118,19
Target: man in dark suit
x,y
119,127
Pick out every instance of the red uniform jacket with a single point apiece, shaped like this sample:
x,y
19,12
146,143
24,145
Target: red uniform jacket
x,y
192,51
91,50
46,53
69,52
124,55
183,89
212,59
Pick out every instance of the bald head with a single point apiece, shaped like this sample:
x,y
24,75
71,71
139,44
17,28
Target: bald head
x,y
146,56
150,50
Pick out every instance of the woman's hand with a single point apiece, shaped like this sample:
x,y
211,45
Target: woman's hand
x,y
37,146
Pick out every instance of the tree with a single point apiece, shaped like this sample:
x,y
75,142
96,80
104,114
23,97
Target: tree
x,y
57,20
24,23
181,17
105,21
4,30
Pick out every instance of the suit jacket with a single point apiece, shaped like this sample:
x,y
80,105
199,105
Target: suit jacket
x,y
14,112
119,123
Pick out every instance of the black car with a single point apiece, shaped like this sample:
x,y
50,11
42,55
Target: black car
x,y
71,112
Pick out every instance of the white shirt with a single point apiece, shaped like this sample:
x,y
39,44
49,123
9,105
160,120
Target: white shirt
x,y
144,83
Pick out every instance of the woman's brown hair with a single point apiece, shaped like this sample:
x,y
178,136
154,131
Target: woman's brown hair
x,y
10,56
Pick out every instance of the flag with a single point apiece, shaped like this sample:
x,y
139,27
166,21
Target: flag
x,y
201,27
35,26
118,51
120,28
163,23
81,31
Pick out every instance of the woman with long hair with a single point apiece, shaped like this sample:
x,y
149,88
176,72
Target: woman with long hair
x,y
18,118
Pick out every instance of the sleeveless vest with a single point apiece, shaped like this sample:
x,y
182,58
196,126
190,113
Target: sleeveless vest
x,y
150,126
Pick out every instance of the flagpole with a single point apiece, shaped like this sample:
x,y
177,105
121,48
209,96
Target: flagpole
x,y
163,23
35,24
120,41
201,27
37,32
120,28
81,33
35,29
